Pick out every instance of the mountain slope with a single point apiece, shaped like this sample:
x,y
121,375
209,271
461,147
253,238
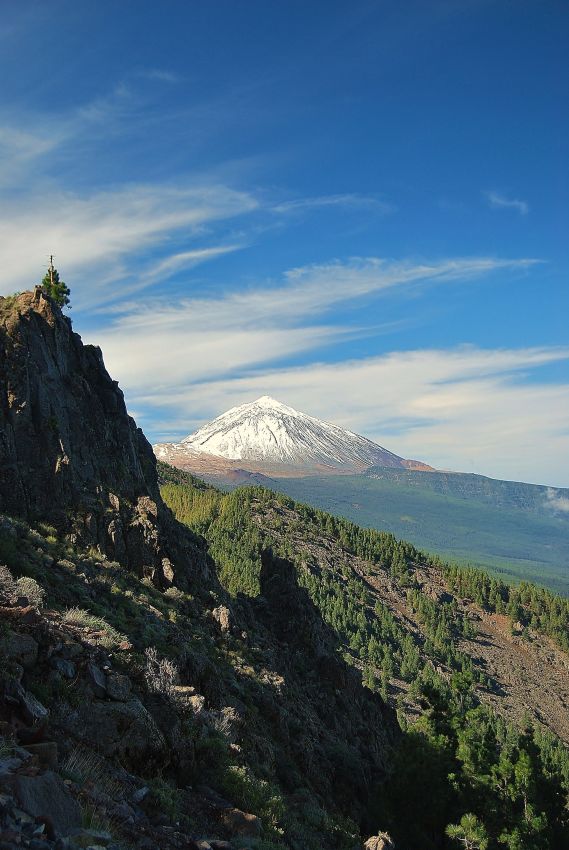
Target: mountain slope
x,y
133,655
512,529
239,698
468,662
270,434
322,546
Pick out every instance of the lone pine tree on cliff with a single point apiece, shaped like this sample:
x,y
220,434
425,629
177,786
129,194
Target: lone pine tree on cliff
x,y
54,287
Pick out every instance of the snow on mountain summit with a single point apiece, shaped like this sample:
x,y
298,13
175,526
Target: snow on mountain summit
x,y
266,430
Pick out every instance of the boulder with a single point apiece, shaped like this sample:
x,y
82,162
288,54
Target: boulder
x,y
21,648
72,649
122,812
140,794
123,729
66,668
118,687
9,765
167,570
47,796
32,709
97,680
222,616
379,842
241,823
91,838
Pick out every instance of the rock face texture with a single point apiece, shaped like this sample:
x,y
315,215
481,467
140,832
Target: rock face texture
x,y
229,687
48,793
69,452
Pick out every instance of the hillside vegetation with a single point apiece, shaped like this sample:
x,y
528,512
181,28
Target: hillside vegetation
x,y
511,529
410,625
140,706
239,671
172,721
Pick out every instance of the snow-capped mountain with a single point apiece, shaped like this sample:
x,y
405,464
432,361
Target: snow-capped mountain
x,y
266,434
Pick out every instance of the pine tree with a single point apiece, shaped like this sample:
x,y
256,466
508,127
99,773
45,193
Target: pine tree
x,y
470,832
54,287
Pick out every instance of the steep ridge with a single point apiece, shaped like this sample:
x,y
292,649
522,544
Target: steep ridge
x,y
266,434
320,547
69,452
180,713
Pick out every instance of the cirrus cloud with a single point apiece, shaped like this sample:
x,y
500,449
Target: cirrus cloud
x,y
500,201
467,409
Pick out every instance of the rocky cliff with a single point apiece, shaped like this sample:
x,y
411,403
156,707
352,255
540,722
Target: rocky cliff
x,y
69,452
234,717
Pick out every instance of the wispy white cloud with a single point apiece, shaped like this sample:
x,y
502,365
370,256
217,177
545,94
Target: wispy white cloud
x,y
21,150
466,409
497,200
107,231
556,501
38,140
307,293
16,143
344,280
161,75
184,260
346,201
102,109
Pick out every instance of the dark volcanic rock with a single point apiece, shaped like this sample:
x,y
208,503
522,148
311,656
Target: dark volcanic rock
x,y
21,648
266,673
69,452
124,729
46,796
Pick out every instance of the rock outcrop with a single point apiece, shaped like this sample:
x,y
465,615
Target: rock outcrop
x,y
176,715
69,452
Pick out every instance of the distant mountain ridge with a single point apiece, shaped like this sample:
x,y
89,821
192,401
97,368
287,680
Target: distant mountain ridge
x,y
268,436
514,529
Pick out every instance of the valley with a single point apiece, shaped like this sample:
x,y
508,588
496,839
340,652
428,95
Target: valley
x,y
505,527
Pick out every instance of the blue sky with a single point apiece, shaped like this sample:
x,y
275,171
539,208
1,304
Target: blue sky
x,y
360,208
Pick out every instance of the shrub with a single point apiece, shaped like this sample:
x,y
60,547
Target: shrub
x,y
85,766
254,795
8,551
166,798
7,584
174,594
7,304
47,530
109,637
161,674
212,757
28,587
